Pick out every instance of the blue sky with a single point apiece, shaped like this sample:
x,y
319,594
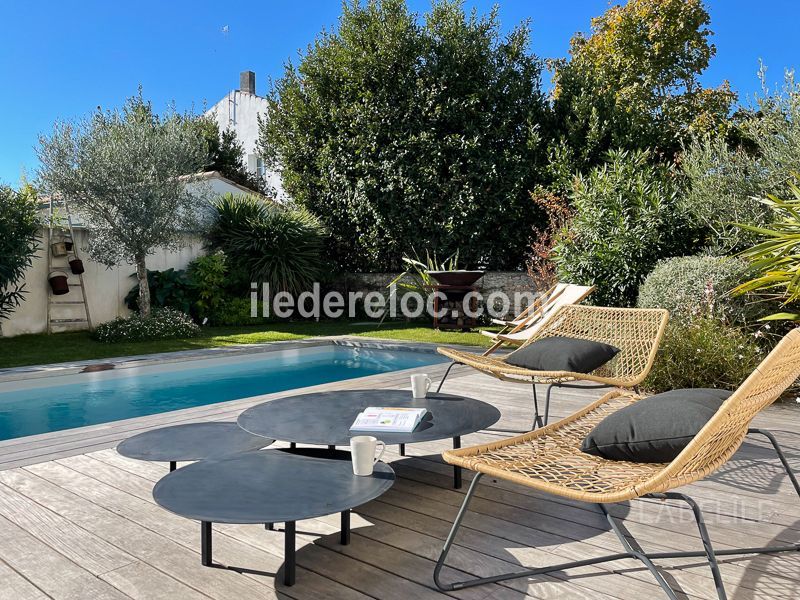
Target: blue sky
x,y
62,59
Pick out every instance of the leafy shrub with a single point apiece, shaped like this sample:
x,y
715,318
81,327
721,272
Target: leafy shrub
x,y
168,288
269,243
19,240
693,286
626,219
207,275
727,178
233,312
703,353
163,323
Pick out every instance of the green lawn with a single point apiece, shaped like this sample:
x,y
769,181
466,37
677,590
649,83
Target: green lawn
x,y
64,347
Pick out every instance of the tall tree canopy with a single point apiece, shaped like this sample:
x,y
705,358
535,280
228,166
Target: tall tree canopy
x,y
404,133
633,83
226,153
121,170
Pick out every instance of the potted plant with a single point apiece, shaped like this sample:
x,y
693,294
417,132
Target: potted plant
x,y
68,242
75,264
58,282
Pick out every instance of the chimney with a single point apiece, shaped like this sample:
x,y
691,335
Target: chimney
x,y
247,82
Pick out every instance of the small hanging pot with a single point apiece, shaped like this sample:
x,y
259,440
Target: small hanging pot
x,y
58,282
76,265
58,248
68,243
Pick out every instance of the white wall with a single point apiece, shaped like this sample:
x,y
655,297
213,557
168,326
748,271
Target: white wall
x,y
105,288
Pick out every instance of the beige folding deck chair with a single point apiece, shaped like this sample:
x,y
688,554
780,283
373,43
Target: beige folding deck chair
x,y
550,460
529,321
637,332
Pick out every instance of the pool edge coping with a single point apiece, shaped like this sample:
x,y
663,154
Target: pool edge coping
x,y
140,360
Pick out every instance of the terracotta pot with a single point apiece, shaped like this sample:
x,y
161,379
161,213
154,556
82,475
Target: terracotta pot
x,y
76,266
58,282
68,243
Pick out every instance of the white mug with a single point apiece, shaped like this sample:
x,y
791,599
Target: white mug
x,y
420,384
362,452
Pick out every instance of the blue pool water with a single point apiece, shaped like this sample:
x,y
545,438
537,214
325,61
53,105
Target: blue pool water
x,y
62,402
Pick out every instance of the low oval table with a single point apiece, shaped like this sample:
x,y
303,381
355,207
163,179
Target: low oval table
x,y
269,486
325,418
189,442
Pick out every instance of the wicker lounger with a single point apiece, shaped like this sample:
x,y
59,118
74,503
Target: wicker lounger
x,y
550,460
637,332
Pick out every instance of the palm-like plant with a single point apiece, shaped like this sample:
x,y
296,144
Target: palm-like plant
x,y
270,243
777,257
416,277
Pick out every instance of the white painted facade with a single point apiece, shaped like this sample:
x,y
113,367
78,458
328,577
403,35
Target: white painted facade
x,y
105,288
239,110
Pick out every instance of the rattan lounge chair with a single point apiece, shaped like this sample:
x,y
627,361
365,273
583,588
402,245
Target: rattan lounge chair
x,y
519,330
637,332
550,460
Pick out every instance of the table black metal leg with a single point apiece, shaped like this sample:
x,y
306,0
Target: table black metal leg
x,y
289,557
292,445
331,447
345,533
402,449
269,526
172,466
205,543
456,470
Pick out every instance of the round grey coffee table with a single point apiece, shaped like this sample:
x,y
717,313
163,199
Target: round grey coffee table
x,y
325,418
192,441
269,486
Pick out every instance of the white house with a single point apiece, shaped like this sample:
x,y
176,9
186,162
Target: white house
x,y
239,110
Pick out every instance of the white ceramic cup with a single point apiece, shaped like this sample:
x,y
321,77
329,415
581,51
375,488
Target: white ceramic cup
x,y
362,452
420,384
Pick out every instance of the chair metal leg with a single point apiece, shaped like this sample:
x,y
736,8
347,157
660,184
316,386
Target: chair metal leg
x,y
632,550
547,403
635,551
537,419
446,373
781,456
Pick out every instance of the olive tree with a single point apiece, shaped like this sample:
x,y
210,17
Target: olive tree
x,y
19,240
122,171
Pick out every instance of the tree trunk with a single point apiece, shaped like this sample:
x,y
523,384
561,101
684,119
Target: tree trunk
x,y
144,287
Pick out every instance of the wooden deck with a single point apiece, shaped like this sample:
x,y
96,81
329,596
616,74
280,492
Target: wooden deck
x,y
78,522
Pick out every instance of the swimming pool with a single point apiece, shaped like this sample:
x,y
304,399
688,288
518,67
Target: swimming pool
x,y
47,404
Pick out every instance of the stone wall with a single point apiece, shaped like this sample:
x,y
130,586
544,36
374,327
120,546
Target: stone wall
x,y
508,282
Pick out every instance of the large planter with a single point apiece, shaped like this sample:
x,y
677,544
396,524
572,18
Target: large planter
x,y
456,278
76,265
58,283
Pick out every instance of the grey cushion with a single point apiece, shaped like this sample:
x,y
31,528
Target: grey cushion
x,y
563,354
655,429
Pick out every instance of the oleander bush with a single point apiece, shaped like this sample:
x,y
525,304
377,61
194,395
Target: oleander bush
x,y
163,323
695,286
703,353
626,219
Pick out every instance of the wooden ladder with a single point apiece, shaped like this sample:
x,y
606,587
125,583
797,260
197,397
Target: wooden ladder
x,y
54,305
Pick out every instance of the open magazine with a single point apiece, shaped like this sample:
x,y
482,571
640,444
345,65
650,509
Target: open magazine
x,y
389,419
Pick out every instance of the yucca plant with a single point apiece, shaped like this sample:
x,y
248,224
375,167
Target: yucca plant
x,y
416,274
268,242
777,257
